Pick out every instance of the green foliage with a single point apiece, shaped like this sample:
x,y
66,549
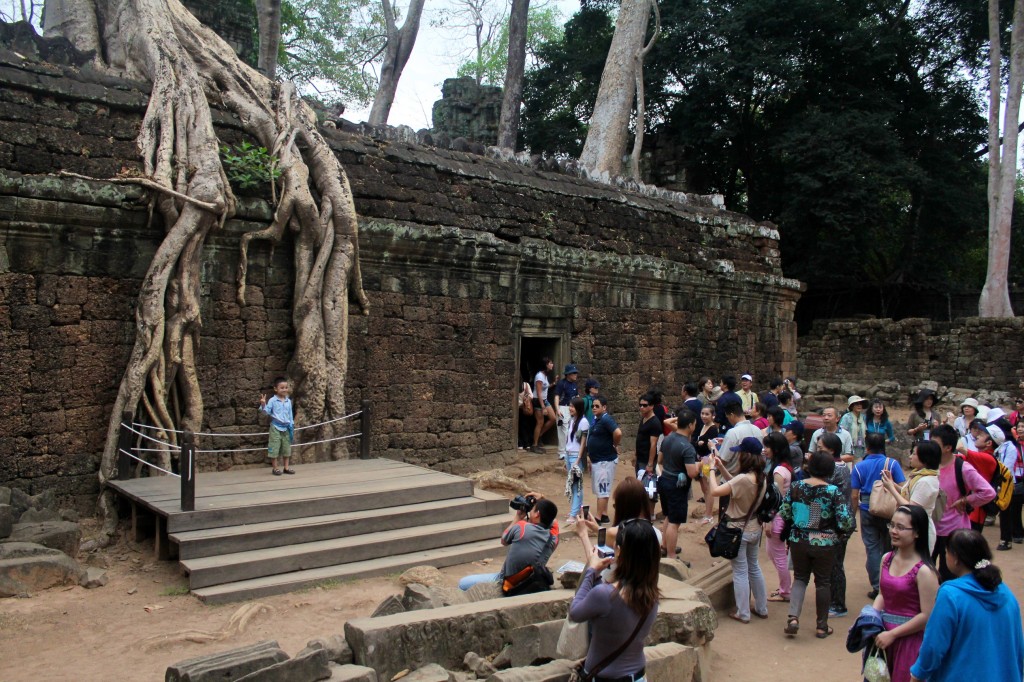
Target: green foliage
x,y
544,25
852,124
248,166
330,47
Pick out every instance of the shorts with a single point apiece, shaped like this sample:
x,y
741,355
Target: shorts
x,y
278,444
602,475
674,500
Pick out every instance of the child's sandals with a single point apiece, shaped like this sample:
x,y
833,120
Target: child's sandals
x,y
792,625
277,472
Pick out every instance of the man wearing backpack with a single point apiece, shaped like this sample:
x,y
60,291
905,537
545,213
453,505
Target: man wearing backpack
x,y
874,531
983,458
965,489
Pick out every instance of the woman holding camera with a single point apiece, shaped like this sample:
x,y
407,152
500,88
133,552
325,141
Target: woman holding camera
x,y
622,610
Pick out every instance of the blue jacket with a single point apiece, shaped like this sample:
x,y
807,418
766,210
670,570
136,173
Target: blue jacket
x,y
972,634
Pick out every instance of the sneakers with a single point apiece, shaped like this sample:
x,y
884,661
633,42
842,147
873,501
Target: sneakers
x,y
604,520
873,593
836,613
1003,546
561,456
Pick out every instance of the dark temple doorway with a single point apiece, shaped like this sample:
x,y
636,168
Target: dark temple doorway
x,y
532,351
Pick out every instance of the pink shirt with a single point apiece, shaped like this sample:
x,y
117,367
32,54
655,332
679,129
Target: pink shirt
x,y
979,492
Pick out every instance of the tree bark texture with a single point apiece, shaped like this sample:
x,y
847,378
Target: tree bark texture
x,y
508,123
399,46
641,110
609,124
161,42
268,17
1002,175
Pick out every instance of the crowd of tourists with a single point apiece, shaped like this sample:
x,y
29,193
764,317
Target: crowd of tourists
x,y
937,606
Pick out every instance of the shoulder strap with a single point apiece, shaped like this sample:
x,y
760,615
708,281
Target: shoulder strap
x,y
618,652
958,467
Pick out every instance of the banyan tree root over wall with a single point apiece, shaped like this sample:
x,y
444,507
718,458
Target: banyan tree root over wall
x,y
188,65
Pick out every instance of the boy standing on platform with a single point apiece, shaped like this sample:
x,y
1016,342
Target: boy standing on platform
x,y
282,425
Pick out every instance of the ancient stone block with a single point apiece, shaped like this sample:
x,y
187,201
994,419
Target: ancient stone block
x,y
424,575
671,662
391,605
39,515
59,535
431,672
226,665
481,626
6,520
338,650
309,666
484,591
555,671
27,567
674,568
352,673
479,666
423,597
535,643
93,578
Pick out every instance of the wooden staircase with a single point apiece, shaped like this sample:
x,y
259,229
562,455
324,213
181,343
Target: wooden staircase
x,y
253,534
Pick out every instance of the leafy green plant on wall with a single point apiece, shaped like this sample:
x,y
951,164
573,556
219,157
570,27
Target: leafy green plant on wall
x,y
249,166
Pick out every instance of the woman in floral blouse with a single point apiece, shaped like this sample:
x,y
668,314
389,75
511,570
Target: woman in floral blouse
x,y
816,513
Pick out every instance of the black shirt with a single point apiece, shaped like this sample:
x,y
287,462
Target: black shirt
x,y
647,429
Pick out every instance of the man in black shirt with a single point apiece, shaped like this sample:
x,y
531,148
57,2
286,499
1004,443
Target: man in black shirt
x,y
647,435
678,460
729,396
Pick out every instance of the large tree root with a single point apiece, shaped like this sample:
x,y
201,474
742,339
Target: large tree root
x,y
189,65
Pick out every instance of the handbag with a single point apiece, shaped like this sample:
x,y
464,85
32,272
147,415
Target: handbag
x,y
526,400
881,503
579,674
573,640
723,540
876,667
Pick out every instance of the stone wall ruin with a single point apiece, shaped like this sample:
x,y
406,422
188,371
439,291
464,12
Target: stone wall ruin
x,y
463,256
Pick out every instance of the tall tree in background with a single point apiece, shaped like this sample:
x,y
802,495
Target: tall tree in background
x,y
268,19
508,123
400,42
187,65
1002,160
609,124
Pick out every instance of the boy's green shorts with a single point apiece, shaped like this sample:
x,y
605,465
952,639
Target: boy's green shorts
x,y
278,444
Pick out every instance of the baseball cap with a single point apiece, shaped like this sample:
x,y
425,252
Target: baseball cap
x,y
796,427
747,377
751,445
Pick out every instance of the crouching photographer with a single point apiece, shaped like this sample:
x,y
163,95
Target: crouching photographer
x,y
531,538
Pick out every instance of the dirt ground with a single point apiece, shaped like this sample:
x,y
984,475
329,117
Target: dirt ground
x,y
144,620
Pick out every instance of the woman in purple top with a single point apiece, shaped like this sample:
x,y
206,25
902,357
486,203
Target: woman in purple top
x,y
616,608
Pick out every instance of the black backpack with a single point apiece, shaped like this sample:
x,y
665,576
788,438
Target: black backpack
x,y
770,501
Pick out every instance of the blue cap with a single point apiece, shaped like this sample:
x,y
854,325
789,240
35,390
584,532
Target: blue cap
x,y
751,445
570,369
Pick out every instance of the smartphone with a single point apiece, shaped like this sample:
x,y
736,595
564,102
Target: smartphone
x,y
602,537
586,511
603,550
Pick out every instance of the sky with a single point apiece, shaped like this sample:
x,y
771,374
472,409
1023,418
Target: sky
x,y
434,58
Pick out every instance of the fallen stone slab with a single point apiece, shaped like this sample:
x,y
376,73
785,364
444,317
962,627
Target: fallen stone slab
x,y
6,520
424,575
675,569
20,501
59,535
503,659
671,662
352,673
390,644
484,591
555,671
536,643
44,500
684,621
309,666
479,666
338,650
431,672
418,597
389,607
226,665
39,516
27,567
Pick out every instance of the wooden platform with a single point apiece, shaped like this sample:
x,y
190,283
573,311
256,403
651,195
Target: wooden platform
x,y
253,534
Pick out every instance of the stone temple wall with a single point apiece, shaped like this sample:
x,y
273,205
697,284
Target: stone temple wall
x,y
971,353
463,257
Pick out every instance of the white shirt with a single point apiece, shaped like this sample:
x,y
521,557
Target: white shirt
x,y
732,438
843,434
572,445
542,377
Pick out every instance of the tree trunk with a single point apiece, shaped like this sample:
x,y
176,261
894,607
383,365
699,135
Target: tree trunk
x,y
609,124
186,63
268,16
508,124
1002,176
396,56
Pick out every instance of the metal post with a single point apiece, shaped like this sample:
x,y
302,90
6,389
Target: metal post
x,y
364,426
124,444
187,469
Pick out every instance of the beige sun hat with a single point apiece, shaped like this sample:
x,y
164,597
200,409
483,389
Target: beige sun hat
x,y
856,399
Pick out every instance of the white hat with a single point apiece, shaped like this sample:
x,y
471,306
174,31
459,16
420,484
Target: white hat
x,y
855,399
997,434
983,412
747,377
970,402
994,413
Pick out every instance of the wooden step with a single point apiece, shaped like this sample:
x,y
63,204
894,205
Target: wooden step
x,y
288,502
297,580
230,539
214,570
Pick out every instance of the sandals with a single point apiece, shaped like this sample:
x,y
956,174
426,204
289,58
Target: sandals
x,y
289,471
778,596
822,634
735,616
706,520
792,625
277,472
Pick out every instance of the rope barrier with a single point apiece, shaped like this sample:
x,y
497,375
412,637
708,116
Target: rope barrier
x,y
149,464
155,440
207,452
338,419
329,440
201,433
